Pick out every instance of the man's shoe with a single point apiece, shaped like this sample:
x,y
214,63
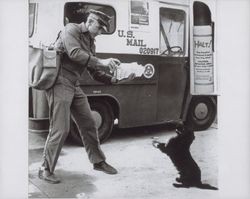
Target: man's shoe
x,y
106,168
45,175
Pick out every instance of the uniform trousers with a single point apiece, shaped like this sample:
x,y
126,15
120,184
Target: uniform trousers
x,y
66,99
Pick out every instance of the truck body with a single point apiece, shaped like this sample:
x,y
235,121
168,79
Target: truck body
x,y
153,33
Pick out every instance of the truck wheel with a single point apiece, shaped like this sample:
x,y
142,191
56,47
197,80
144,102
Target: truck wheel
x,y
104,118
201,113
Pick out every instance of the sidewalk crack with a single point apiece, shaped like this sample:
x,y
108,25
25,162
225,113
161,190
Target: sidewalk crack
x,y
39,189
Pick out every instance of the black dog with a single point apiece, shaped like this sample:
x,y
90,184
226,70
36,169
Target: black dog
x,y
178,150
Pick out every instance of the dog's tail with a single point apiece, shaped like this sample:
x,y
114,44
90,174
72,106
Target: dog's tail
x,y
207,186
201,186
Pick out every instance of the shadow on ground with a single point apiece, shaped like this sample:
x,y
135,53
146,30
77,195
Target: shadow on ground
x,y
74,183
132,133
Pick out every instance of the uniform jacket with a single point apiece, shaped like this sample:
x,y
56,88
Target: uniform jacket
x,y
79,54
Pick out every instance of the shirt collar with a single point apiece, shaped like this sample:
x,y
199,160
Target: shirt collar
x,y
84,30
83,27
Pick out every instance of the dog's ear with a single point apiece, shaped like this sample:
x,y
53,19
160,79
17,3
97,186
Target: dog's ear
x,y
177,131
179,128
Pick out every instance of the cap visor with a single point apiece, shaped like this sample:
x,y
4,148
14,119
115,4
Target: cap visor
x,y
104,29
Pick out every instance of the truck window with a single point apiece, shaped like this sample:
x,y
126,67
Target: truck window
x,y
77,12
32,11
172,32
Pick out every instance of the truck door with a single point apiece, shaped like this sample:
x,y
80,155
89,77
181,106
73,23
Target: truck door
x,y
173,55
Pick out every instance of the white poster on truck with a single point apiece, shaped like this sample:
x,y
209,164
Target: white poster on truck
x,y
203,60
139,15
203,71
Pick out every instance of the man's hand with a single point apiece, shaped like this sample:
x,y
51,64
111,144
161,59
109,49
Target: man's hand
x,y
129,78
111,63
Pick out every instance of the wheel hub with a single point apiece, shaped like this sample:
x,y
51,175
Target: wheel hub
x,y
201,111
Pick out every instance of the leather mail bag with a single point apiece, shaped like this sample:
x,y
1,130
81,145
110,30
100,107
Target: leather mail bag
x,y
44,66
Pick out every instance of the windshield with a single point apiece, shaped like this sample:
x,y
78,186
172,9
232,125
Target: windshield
x,y
172,31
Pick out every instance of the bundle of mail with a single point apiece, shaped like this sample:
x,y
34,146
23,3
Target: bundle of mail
x,y
125,69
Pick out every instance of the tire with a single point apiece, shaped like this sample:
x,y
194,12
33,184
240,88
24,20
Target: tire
x,y
201,113
104,118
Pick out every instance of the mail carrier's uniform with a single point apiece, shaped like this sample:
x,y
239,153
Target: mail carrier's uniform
x,y
66,97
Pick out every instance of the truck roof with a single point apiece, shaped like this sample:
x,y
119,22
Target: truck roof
x,y
175,2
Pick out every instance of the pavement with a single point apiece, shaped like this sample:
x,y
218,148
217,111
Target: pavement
x,y
144,172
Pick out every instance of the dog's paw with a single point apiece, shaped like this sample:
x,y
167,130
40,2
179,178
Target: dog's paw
x,y
180,185
155,143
